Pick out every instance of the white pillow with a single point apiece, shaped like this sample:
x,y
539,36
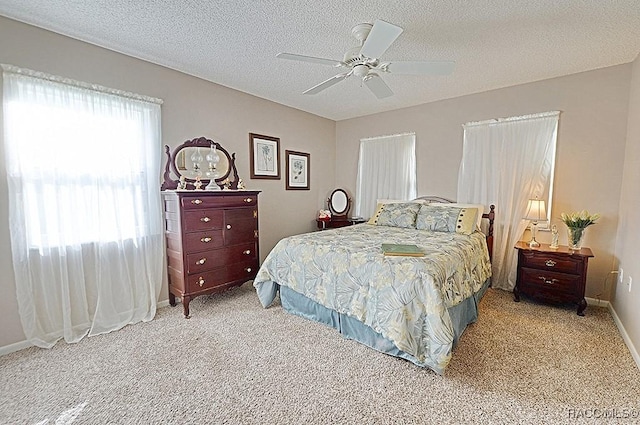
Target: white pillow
x,y
479,207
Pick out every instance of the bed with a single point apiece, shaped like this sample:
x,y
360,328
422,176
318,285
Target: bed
x,y
415,308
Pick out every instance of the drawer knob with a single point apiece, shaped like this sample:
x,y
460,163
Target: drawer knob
x,y
205,219
196,201
248,269
550,263
247,252
201,261
201,281
228,226
206,239
548,281
248,200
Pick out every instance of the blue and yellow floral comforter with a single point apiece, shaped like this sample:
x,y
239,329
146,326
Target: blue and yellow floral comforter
x,y
403,298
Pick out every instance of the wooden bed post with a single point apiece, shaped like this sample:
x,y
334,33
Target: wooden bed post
x,y
491,215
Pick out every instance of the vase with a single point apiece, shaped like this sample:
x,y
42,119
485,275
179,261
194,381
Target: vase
x,y
575,235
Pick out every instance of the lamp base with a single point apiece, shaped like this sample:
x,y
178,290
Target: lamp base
x,y
533,243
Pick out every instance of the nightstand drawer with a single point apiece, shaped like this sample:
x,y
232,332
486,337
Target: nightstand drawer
x,y
551,262
552,281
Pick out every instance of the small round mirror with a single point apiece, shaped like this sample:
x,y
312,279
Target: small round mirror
x,y
339,203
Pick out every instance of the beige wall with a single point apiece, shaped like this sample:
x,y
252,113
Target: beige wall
x,y
192,108
626,303
590,152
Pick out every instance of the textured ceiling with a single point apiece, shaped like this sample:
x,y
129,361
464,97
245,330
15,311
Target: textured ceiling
x,y
234,42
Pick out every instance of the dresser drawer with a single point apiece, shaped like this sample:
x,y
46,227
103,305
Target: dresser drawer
x,y
239,200
202,219
551,262
207,260
220,276
206,280
562,282
203,241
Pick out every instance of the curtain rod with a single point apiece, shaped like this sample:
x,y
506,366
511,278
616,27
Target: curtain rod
x,y
386,136
12,69
512,119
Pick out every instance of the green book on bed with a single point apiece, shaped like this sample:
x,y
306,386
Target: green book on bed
x,y
402,250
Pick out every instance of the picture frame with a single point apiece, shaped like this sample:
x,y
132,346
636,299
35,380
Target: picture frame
x,y
264,155
297,166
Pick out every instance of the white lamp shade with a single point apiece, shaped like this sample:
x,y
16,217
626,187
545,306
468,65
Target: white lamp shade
x,y
536,210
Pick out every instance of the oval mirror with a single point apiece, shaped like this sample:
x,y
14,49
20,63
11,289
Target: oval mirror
x,y
200,158
204,162
339,203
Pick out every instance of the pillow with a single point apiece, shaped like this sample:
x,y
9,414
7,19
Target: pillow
x,y
447,219
480,208
396,215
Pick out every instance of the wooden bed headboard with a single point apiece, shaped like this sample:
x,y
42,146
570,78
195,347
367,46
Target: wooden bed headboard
x,y
491,215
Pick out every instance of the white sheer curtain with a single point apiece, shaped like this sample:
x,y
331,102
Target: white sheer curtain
x,y
506,162
386,170
83,166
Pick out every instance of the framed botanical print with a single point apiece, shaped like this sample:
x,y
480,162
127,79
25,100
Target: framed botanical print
x,y
264,153
297,170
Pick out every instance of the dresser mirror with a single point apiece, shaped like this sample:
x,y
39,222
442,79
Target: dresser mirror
x,y
199,159
339,203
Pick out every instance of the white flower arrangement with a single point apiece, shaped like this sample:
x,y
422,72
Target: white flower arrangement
x,y
580,219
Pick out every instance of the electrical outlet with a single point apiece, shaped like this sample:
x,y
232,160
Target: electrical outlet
x,y
630,282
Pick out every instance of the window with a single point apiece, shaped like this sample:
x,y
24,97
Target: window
x,y
386,170
507,162
83,167
81,159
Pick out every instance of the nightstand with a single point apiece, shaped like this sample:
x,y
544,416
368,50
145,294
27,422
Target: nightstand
x,y
334,223
552,275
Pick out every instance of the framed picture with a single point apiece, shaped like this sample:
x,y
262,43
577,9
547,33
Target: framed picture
x,y
297,169
264,156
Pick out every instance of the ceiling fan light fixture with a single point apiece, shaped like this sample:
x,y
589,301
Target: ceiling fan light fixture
x,y
360,71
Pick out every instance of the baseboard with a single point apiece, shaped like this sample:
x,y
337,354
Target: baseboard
x,y
625,336
11,348
598,303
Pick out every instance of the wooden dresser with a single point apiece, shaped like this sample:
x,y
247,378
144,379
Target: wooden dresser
x,y
552,275
212,241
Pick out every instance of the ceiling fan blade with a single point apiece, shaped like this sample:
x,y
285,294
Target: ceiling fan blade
x,y
382,35
420,67
302,58
377,85
327,83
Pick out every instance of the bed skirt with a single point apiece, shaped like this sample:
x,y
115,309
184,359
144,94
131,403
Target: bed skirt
x,y
461,315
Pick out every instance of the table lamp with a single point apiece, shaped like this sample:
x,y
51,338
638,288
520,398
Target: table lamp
x,y
536,212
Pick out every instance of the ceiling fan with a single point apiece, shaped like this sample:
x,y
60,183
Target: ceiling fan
x,y
364,62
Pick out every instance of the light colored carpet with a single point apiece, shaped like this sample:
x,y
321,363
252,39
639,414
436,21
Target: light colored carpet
x,y
234,362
